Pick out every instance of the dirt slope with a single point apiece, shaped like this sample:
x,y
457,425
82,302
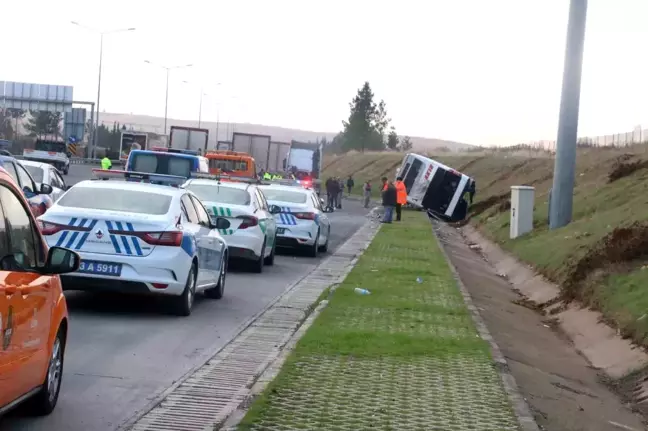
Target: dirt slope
x,y
601,258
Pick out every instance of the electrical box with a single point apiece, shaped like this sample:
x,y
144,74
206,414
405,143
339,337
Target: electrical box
x,y
522,198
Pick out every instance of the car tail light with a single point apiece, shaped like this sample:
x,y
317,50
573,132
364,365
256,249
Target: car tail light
x,y
304,216
171,238
48,228
248,221
159,285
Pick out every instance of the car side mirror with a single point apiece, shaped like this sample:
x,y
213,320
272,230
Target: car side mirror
x,y
274,209
322,203
46,189
61,261
220,223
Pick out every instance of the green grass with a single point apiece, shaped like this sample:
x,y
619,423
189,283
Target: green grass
x,y
620,292
382,360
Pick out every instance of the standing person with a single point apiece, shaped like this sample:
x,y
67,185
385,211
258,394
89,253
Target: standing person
x,y
401,197
330,193
366,193
340,194
389,200
106,163
472,190
350,183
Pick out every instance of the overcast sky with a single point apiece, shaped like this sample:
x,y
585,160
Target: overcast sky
x,y
483,72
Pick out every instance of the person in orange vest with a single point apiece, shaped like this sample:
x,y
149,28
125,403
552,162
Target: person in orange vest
x,y
401,197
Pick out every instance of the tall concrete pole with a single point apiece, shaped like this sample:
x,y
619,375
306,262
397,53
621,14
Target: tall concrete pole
x,y
562,193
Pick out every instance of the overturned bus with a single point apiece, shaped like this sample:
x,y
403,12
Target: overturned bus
x,y
435,187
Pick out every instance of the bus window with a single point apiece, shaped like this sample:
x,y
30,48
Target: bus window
x,y
441,190
412,174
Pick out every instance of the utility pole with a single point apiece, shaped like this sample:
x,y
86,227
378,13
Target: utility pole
x,y
562,193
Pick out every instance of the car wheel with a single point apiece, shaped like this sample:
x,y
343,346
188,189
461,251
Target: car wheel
x,y
217,292
183,304
45,400
270,259
312,250
257,265
324,248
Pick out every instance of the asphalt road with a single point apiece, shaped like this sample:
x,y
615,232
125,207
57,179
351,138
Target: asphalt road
x,y
125,351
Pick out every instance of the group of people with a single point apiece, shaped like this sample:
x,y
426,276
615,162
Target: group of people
x,y
335,189
394,196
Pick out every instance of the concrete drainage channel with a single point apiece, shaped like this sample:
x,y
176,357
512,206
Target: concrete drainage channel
x,y
217,389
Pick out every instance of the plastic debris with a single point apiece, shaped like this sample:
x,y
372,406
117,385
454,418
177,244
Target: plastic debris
x,y
419,280
361,291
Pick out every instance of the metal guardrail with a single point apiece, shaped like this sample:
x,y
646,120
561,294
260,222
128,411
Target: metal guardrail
x,y
83,161
80,161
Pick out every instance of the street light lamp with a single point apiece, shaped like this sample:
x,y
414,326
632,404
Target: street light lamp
x,y
166,101
101,34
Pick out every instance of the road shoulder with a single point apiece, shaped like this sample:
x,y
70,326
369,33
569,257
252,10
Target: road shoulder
x,y
563,391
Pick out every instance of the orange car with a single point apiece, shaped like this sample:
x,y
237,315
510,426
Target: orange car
x,y
33,313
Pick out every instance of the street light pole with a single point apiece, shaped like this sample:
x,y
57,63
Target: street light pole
x,y
166,101
96,129
562,193
95,135
200,109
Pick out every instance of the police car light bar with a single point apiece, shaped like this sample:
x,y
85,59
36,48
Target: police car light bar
x,y
143,177
225,177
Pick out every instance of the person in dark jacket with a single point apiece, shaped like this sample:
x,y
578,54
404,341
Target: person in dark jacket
x,y
350,183
389,200
471,191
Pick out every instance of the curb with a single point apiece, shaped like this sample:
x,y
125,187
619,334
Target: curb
x,y
518,403
209,394
232,421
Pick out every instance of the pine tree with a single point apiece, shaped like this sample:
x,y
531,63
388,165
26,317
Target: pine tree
x,y
367,121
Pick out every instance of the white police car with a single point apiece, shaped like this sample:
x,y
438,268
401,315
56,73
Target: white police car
x,y
252,232
137,237
301,219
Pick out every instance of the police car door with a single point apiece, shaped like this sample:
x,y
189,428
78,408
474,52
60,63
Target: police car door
x,y
267,222
192,225
321,219
211,243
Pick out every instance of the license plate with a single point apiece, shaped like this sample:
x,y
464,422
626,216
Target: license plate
x,y
101,268
281,230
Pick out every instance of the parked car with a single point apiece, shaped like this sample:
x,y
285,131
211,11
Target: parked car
x,y
33,312
44,173
38,196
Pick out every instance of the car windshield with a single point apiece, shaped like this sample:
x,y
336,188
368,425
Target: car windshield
x,y
166,164
56,147
36,172
221,194
284,195
133,201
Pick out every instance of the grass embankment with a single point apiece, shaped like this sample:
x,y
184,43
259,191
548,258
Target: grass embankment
x,y
601,258
407,356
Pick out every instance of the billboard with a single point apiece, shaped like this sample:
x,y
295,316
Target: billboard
x,y
131,141
35,97
74,123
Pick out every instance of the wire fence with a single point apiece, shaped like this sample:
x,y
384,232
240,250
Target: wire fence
x,y
547,148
